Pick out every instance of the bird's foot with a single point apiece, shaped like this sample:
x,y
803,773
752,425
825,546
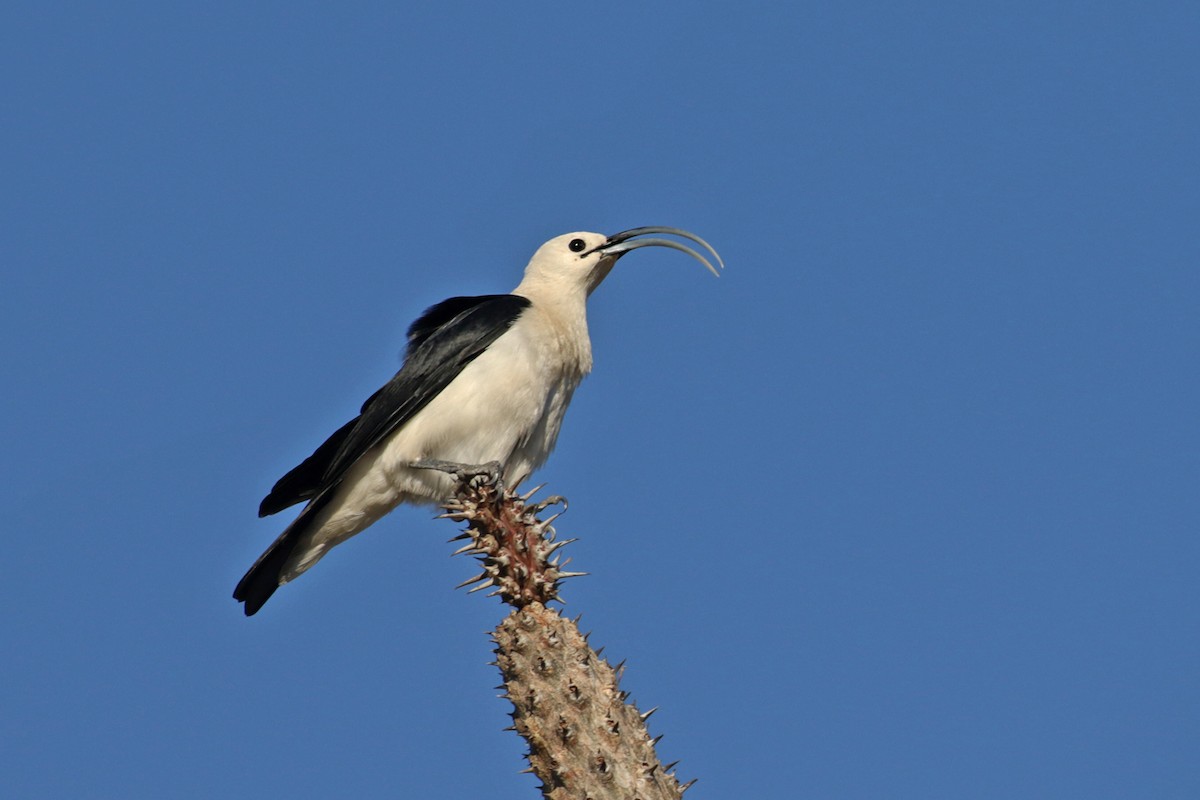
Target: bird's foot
x,y
490,473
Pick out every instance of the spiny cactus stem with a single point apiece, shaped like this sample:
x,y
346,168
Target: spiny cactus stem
x,y
585,739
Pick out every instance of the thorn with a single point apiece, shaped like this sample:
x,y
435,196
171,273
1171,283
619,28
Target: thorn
x,y
554,499
687,785
646,716
460,537
481,576
480,587
525,497
545,524
558,544
600,652
565,575
466,548
670,766
656,739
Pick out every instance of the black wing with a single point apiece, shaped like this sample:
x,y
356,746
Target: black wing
x,y
442,341
445,339
304,480
438,315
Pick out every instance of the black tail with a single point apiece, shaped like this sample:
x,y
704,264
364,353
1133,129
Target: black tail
x,y
261,580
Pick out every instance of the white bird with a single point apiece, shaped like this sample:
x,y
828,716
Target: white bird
x,y
485,379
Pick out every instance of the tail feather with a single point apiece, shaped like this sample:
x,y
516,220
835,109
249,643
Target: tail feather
x,y
261,580
266,575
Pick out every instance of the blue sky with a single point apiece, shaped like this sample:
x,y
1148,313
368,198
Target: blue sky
x,y
904,505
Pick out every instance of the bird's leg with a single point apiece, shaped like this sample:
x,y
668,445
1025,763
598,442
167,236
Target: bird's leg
x,y
492,471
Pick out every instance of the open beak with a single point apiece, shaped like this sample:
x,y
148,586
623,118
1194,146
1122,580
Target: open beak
x,y
623,242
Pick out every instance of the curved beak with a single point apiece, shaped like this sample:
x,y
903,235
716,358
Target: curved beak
x,y
623,242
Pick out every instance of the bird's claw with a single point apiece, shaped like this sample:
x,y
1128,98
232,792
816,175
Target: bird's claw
x,y
476,475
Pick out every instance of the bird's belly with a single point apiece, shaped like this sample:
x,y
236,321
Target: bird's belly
x,y
507,405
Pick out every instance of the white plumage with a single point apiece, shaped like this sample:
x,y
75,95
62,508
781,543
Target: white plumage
x,y
485,379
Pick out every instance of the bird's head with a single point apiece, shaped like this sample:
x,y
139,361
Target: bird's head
x,y
580,261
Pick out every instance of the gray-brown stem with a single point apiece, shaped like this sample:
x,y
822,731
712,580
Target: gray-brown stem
x,y
586,742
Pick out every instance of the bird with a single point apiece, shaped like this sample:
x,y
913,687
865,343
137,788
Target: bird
x,y
485,380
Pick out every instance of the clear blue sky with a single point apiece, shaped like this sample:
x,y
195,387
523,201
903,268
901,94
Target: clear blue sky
x,y
904,505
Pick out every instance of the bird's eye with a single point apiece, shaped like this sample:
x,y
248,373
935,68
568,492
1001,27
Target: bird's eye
x,y
576,245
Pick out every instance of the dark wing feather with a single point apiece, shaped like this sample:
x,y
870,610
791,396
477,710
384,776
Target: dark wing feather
x,y
302,481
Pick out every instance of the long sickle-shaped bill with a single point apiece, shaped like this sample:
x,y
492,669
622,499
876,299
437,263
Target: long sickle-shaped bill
x,y
624,241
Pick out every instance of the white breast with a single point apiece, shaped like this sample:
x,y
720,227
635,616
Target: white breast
x,y
507,405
